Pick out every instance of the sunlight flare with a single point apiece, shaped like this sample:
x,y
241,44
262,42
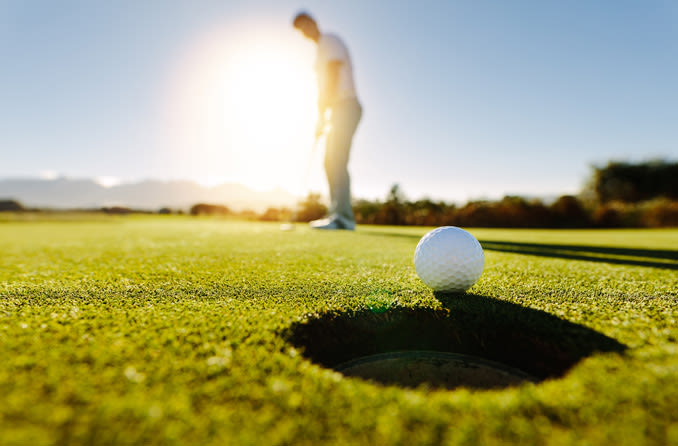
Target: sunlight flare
x,y
244,108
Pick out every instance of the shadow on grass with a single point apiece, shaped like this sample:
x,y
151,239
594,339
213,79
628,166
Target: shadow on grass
x,y
626,256
531,341
655,258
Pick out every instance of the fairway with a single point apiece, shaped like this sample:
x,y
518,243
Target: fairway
x,y
178,330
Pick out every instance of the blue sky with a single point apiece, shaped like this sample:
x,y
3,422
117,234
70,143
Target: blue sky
x,y
462,99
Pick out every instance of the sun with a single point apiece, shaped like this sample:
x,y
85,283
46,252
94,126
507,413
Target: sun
x,y
245,108
269,114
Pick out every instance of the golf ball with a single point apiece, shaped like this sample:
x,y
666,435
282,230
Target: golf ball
x,y
449,259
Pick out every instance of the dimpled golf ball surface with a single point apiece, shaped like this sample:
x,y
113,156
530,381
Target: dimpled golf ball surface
x,y
449,259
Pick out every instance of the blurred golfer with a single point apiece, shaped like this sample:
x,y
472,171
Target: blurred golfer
x,y
336,98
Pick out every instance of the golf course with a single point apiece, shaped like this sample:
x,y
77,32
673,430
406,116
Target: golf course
x,y
181,330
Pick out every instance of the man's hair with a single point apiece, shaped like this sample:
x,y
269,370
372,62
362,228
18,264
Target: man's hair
x,y
301,17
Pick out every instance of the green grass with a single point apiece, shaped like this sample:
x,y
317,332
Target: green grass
x,y
173,330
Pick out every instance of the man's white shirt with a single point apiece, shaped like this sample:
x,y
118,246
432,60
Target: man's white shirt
x,y
331,48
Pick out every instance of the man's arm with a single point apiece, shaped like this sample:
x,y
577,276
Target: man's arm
x,y
327,97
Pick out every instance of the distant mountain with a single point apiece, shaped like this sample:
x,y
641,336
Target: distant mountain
x,y
150,194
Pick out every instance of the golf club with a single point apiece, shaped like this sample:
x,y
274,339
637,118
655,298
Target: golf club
x,y
289,225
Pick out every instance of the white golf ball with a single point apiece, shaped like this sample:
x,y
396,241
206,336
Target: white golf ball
x,y
449,259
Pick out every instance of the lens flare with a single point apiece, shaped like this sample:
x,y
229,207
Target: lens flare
x,y
243,107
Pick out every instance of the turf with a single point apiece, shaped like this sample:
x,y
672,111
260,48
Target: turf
x,y
174,330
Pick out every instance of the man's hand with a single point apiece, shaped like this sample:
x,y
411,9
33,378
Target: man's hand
x,y
320,127
322,106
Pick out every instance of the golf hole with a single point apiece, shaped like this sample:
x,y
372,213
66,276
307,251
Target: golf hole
x,y
474,342
437,369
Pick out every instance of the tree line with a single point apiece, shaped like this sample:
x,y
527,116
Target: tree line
x,y
619,194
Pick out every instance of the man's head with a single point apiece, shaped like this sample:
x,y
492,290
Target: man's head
x,y
305,23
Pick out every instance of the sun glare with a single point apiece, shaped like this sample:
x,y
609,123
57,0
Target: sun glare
x,y
247,109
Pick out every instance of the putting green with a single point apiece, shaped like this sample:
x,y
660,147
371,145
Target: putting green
x,y
178,330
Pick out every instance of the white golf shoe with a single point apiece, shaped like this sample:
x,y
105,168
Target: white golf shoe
x,y
331,225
